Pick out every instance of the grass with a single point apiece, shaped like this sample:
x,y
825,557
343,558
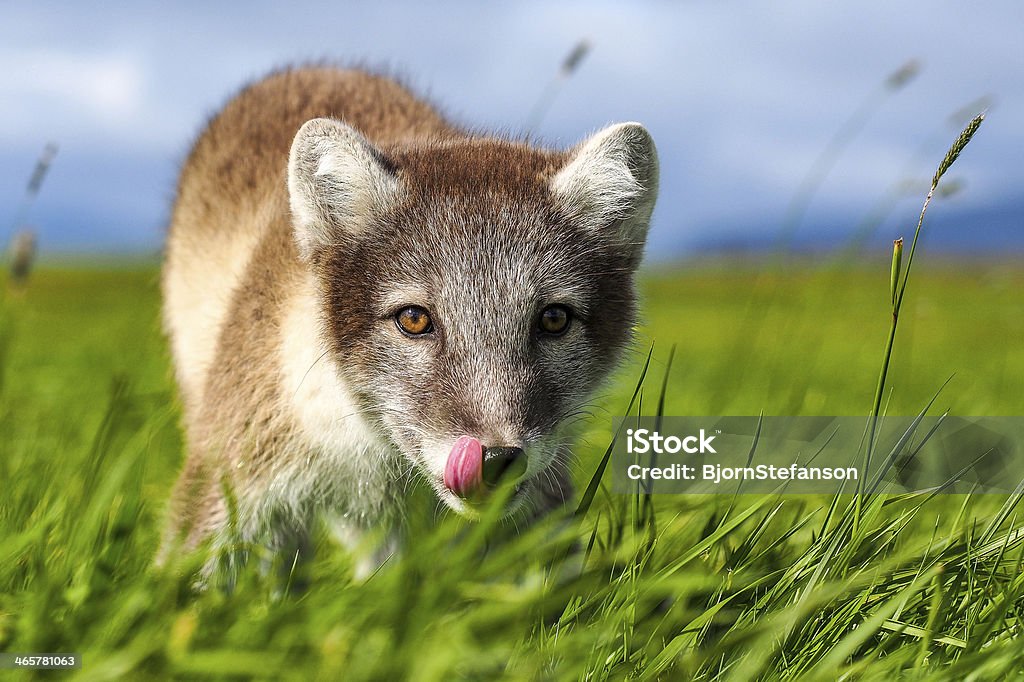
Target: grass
x,y
674,588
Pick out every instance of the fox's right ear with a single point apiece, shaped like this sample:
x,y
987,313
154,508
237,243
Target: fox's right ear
x,y
336,181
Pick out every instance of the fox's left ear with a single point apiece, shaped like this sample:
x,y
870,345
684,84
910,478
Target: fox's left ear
x,y
610,185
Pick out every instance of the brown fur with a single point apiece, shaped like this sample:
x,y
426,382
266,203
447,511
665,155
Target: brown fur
x,y
235,170
237,167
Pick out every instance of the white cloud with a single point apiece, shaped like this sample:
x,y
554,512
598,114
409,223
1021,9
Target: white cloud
x,y
105,87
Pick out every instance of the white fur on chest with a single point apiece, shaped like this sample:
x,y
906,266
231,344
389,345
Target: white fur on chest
x,y
338,464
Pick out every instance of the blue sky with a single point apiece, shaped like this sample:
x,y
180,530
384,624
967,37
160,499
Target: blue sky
x,y
741,98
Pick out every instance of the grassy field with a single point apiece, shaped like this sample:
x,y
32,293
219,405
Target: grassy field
x,y
698,588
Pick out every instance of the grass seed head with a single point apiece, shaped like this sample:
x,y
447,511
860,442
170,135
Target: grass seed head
x,y
903,75
962,141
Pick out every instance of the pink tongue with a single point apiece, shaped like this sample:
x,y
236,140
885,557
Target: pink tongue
x,y
464,470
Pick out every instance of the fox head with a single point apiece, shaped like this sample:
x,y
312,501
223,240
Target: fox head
x,y
475,290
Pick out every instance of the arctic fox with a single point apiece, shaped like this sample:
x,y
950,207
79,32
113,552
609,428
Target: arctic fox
x,y
358,292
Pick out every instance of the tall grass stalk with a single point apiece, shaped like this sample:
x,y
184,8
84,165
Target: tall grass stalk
x,y
796,211
823,164
907,180
898,288
547,96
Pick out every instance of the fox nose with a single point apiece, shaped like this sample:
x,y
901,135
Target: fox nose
x,y
503,463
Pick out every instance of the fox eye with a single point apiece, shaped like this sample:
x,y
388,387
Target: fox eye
x,y
554,320
414,321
